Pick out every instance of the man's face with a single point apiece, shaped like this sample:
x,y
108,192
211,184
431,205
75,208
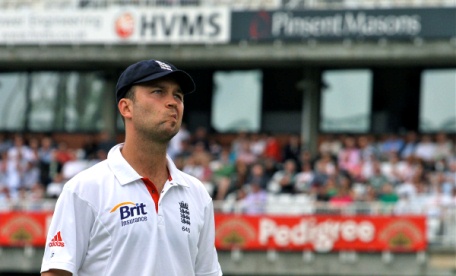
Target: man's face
x,y
157,109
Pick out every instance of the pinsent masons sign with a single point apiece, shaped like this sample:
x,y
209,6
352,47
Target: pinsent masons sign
x,y
116,26
298,25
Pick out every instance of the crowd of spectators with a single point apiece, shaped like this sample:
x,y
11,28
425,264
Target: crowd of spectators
x,y
412,172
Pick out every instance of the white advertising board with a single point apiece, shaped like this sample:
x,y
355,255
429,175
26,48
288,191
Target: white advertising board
x,y
116,26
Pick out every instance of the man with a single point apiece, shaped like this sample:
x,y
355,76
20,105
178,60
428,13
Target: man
x,y
136,213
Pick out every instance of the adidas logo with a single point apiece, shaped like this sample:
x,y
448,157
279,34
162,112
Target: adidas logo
x,y
57,241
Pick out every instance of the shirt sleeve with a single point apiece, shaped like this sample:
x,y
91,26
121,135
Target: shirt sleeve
x,y
68,235
207,260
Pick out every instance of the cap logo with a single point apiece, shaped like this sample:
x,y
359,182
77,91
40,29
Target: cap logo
x,y
164,66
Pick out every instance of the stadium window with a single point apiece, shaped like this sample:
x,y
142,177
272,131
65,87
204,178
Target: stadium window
x,y
13,103
236,104
52,101
68,101
438,100
346,101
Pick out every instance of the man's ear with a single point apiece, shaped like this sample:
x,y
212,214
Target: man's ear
x,y
124,106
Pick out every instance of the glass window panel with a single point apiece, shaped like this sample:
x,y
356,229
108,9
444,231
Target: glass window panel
x,y
346,101
13,103
69,101
236,104
43,101
84,102
438,100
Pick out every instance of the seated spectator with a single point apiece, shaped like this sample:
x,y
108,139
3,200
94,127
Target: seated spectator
x,y
394,168
245,153
387,194
257,175
304,179
73,165
330,144
176,147
106,141
409,147
273,149
320,175
257,144
283,181
349,158
377,179
292,149
426,150
392,143
367,149
255,199
54,189
443,147
45,155
5,143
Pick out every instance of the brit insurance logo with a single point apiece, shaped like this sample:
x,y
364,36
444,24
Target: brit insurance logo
x,y
130,212
125,25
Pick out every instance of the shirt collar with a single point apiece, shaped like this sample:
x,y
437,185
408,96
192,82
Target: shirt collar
x,y
125,174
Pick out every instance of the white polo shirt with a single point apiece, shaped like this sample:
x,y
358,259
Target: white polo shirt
x,y
106,223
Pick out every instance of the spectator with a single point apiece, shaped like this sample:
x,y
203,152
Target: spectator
x,y
176,147
257,175
392,143
5,143
409,147
90,146
74,165
255,199
367,150
377,179
272,149
201,136
350,157
31,175
283,181
241,138
45,155
304,179
54,188
387,195
245,153
426,151
393,168
330,144
106,141
257,144
443,147
292,150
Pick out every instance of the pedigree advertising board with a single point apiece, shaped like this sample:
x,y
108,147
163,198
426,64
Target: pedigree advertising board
x,y
319,233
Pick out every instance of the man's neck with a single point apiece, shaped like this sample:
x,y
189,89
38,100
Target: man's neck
x,y
147,160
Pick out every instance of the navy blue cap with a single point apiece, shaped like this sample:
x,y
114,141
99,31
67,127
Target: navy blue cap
x,y
148,70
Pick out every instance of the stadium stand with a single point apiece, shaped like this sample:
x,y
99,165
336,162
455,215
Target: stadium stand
x,y
346,175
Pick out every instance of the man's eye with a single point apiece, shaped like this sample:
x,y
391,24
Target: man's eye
x,y
179,96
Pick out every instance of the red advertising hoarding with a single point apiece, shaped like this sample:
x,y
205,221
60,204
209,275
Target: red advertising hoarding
x,y
320,233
